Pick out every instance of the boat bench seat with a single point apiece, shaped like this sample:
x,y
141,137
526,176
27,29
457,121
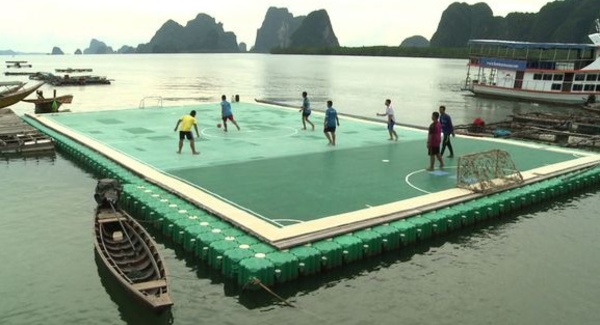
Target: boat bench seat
x,y
150,284
110,217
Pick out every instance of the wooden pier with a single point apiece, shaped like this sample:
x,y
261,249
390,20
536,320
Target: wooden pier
x,y
18,137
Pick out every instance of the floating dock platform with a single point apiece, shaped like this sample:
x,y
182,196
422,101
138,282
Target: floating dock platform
x,y
17,137
271,202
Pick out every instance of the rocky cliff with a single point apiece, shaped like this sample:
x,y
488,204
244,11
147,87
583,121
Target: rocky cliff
x,y
567,21
98,47
276,30
57,51
280,29
202,34
415,41
315,31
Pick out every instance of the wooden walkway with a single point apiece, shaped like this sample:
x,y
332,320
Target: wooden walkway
x,y
18,137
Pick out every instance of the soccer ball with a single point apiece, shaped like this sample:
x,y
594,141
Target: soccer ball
x,y
219,125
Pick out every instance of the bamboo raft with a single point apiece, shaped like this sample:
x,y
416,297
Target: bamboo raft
x,y
568,130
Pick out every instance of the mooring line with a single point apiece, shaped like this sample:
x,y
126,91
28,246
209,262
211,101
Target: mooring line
x,y
256,281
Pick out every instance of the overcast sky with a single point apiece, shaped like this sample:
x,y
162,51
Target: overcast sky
x,y
39,25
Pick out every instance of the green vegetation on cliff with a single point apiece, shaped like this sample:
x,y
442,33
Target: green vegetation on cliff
x,y
566,21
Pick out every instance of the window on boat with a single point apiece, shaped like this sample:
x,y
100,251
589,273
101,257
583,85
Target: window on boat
x,y
556,86
577,87
580,77
558,77
537,76
547,77
589,87
591,77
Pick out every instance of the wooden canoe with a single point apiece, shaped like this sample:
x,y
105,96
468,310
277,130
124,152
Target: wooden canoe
x,y
131,256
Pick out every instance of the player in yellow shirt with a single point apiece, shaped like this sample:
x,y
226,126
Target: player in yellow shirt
x,y
187,121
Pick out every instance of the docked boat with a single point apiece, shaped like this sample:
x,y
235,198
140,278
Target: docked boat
x,y
68,80
18,64
127,250
555,73
7,87
17,94
71,70
49,105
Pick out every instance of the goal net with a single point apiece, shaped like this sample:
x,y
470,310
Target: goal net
x,y
488,171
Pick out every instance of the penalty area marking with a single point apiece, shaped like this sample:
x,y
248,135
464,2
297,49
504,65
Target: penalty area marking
x,y
437,173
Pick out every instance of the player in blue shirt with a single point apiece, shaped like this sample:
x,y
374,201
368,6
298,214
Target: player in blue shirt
x,y
305,109
227,114
330,123
447,130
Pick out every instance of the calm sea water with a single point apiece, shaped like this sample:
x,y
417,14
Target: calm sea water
x,y
536,267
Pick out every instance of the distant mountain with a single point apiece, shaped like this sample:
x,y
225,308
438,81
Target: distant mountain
x,y
280,29
566,21
8,52
125,49
202,34
415,41
276,30
315,31
98,47
57,51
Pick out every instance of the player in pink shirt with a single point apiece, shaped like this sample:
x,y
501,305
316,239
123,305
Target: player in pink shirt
x,y
434,139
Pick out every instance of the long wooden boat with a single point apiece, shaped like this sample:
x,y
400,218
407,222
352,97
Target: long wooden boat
x,y
7,87
49,105
555,73
10,98
127,250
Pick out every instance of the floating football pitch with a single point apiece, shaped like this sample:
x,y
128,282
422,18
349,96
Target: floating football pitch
x,y
285,184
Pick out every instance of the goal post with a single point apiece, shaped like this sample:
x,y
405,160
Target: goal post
x,y
488,171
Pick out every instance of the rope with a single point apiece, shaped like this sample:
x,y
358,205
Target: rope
x,y
256,281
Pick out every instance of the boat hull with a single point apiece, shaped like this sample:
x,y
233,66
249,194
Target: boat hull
x,y
8,99
529,95
44,105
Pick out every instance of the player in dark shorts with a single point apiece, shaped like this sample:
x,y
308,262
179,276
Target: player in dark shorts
x,y
330,123
434,139
305,109
187,122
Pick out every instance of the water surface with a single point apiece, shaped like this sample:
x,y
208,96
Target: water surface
x,y
536,267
